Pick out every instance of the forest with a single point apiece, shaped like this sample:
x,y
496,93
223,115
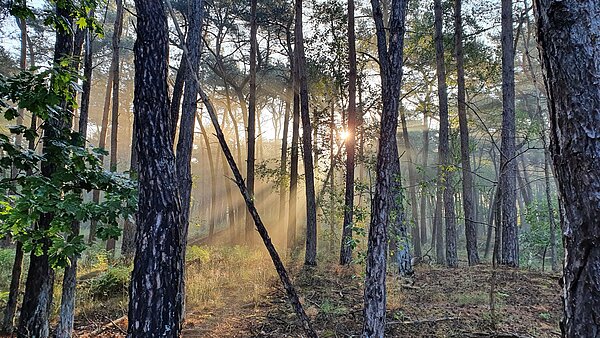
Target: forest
x,y
290,168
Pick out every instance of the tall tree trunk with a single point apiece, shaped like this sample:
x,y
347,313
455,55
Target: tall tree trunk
x,y
291,231
15,280
158,263
251,118
213,179
346,247
177,95
423,204
64,328
37,300
442,200
195,12
568,33
283,158
388,165
508,164
412,182
129,227
114,126
467,177
310,257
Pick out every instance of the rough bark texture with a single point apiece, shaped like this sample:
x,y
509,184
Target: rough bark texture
x,y
346,248
388,164
508,164
188,117
467,177
442,202
568,33
155,299
13,294
251,153
37,300
15,280
310,257
176,96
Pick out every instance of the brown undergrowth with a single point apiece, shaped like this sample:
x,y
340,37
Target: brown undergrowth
x,y
437,302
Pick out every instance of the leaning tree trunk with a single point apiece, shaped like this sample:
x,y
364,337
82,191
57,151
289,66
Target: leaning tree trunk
x,y
155,298
508,164
388,164
310,257
346,247
467,177
568,34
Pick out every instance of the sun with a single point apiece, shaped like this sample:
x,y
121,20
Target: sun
x,y
344,135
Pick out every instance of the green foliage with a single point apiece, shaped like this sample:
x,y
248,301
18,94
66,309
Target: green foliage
x,y
197,254
536,241
113,281
53,183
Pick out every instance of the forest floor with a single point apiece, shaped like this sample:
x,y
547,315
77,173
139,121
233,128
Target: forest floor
x,y
437,302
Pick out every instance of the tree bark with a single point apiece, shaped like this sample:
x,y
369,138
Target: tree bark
x,y
310,257
567,36
388,165
37,300
346,248
412,183
442,199
155,298
114,126
510,245
251,154
467,177
423,203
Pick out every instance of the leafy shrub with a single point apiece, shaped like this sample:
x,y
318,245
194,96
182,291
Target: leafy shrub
x,y
115,280
197,254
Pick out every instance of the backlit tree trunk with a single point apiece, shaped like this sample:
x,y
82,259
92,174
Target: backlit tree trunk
x,y
346,248
251,154
467,177
155,299
568,33
508,164
388,164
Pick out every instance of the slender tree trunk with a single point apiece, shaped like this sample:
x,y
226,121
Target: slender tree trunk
x,y
443,200
310,257
15,280
251,119
213,176
37,300
423,204
346,247
510,245
567,33
412,183
291,232
490,222
283,158
177,95
129,227
388,165
467,177
64,328
158,263
114,127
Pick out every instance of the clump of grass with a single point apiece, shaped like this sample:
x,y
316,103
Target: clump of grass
x,y
215,274
113,281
